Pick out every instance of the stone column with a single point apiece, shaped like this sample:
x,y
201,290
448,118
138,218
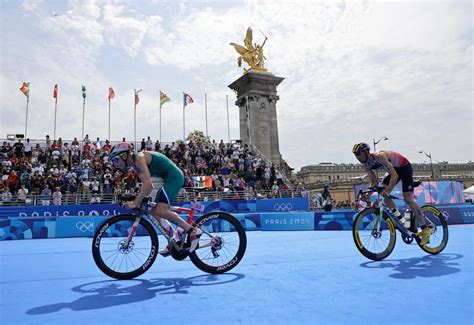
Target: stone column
x,y
256,98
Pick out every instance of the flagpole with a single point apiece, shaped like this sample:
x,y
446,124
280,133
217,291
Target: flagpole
x,y
228,126
109,120
26,122
160,117
205,105
135,121
83,114
184,116
55,113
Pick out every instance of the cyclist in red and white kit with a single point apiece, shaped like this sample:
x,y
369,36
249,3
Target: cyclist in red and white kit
x,y
399,168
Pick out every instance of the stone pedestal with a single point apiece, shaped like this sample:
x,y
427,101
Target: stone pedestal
x,y
256,98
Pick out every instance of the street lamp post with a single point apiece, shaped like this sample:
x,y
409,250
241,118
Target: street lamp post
x,y
376,142
431,163
432,172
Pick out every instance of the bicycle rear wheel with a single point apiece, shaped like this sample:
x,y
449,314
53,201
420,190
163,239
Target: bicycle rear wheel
x,y
224,248
113,258
375,244
439,226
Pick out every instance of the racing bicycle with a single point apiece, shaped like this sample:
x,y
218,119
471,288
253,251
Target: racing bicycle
x,y
374,228
126,245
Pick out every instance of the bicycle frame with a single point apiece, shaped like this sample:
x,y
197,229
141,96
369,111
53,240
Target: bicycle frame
x,y
145,211
380,210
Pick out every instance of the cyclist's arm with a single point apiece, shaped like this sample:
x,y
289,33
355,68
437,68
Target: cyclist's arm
x,y
383,159
373,178
145,177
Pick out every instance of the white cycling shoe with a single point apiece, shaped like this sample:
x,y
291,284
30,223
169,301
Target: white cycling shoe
x,y
193,238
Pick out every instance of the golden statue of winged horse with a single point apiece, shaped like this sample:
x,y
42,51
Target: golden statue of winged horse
x,y
252,54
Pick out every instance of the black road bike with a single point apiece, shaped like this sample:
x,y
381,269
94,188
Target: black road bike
x,y
374,229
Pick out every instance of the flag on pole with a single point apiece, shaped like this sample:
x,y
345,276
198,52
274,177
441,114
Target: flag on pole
x,y
163,98
25,89
137,100
84,92
55,92
111,93
187,99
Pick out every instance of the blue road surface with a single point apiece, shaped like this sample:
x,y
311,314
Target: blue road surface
x,y
312,277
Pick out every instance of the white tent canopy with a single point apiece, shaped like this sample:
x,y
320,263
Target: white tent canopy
x,y
469,190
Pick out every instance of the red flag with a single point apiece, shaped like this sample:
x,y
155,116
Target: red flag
x,y
55,92
25,89
111,93
137,100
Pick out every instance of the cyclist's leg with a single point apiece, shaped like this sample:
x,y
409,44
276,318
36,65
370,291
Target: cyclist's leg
x,y
388,201
162,210
406,175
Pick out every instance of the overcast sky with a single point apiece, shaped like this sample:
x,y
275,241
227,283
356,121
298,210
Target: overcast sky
x,y
354,71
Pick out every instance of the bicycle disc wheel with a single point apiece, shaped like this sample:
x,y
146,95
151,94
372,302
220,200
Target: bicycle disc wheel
x,y
124,263
372,243
439,226
225,249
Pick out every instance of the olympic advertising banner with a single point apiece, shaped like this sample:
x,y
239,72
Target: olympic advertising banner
x,y
31,223
266,205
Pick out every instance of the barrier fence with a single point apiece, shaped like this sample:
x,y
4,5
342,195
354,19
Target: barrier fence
x,y
81,221
188,195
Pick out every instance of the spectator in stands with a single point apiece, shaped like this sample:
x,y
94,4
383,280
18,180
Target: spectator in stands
x,y
326,199
13,182
72,186
36,151
106,147
143,145
149,144
95,186
47,142
22,193
86,150
66,155
279,176
6,196
26,179
18,148
28,149
157,145
275,189
45,195
37,182
6,149
107,181
86,186
130,179
57,196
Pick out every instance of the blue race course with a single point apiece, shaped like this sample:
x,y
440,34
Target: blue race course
x,y
286,277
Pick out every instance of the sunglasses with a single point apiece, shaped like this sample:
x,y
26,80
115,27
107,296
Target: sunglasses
x,y
119,160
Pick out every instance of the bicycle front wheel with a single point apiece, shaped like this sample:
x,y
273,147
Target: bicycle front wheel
x,y
437,222
118,261
222,245
374,239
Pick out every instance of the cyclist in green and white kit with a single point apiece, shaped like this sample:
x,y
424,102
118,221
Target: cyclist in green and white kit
x,y
148,164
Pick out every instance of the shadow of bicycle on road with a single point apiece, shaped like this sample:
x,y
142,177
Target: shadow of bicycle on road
x,y
428,266
109,293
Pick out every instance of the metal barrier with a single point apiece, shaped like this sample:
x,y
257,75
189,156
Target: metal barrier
x,y
188,195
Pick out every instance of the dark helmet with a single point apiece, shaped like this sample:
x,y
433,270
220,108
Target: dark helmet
x,y
360,147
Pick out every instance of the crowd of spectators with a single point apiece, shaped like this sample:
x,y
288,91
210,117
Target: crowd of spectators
x,y
50,169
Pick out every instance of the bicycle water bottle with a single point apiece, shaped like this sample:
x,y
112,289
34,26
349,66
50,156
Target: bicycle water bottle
x,y
406,218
